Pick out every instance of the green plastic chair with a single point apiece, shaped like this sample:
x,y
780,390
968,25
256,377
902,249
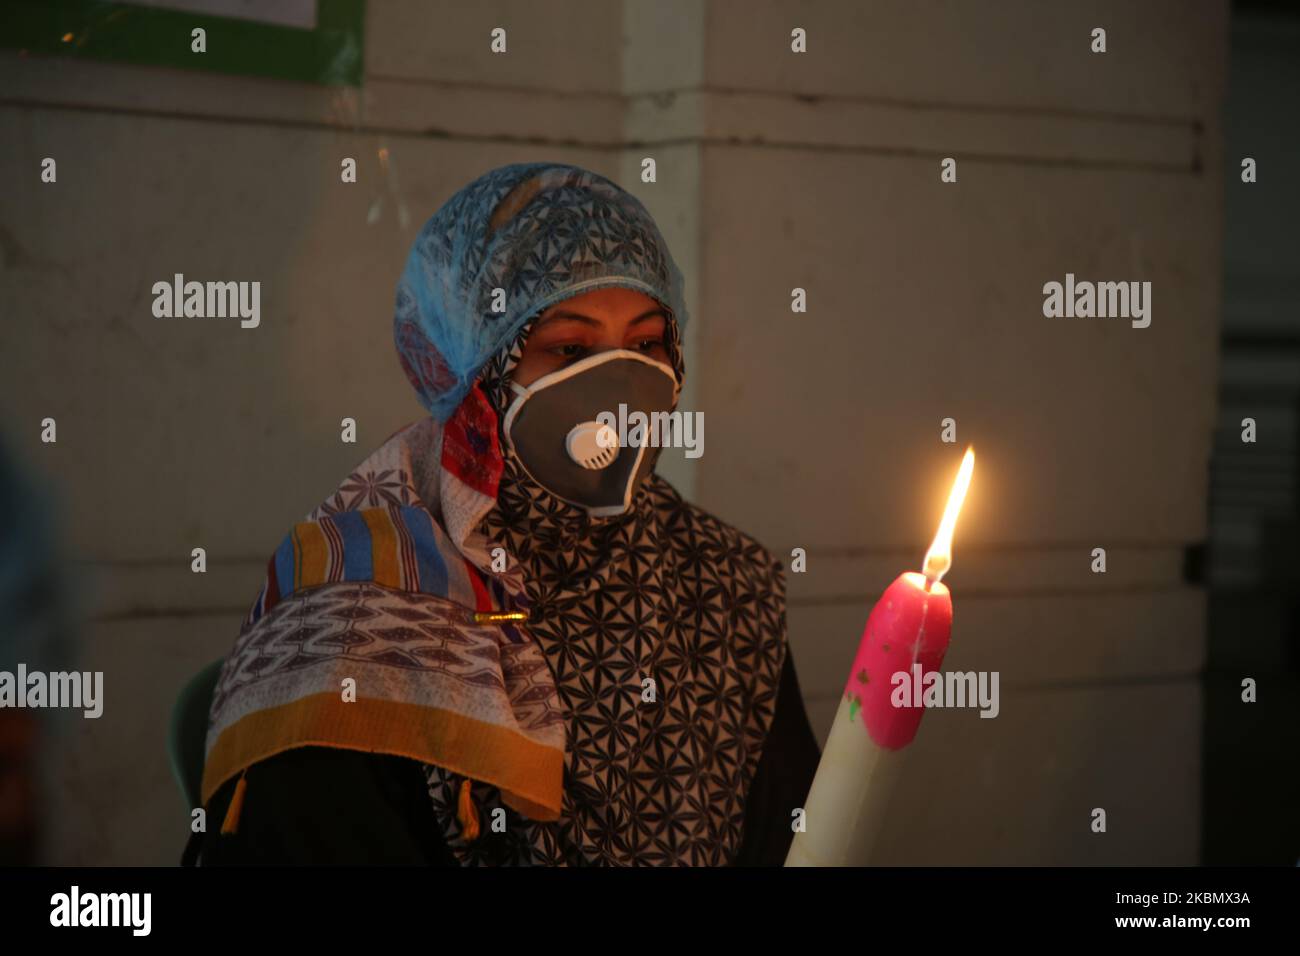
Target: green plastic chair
x,y
188,731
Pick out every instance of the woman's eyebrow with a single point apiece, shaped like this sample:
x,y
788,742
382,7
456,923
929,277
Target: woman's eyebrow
x,y
596,323
572,316
648,315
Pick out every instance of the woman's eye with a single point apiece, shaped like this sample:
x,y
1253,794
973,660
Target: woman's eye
x,y
649,345
570,350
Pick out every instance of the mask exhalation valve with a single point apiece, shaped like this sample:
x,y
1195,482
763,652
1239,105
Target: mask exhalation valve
x,y
593,445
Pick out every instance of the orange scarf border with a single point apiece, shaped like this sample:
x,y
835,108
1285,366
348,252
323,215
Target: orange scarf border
x,y
529,775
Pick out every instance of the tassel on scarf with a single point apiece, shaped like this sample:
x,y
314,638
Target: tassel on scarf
x,y
467,814
231,823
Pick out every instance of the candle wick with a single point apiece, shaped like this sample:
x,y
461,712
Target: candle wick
x,y
920,631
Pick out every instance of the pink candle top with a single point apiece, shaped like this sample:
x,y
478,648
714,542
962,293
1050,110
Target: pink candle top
x,y
908,626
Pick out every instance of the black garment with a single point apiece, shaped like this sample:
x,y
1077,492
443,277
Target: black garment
x,y
325,806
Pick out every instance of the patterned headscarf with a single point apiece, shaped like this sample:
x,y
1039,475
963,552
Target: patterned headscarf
x,y
623,722
513,242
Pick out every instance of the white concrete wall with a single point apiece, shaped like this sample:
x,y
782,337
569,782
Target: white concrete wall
x,y
775,171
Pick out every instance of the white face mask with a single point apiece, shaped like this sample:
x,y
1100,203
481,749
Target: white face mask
x,y
559,428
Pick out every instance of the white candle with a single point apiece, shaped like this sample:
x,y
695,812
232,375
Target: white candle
x,y
907,632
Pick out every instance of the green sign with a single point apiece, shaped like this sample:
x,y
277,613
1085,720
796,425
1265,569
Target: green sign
x,y
329,53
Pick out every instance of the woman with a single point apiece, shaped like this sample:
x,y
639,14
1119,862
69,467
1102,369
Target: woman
x,y
504,639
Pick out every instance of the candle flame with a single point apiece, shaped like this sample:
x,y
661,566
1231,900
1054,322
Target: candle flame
x,y
939,558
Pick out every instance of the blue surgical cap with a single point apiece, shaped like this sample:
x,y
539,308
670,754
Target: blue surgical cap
x,y
510,244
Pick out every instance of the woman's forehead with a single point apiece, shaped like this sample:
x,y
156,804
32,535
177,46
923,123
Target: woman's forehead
x,y
610,303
